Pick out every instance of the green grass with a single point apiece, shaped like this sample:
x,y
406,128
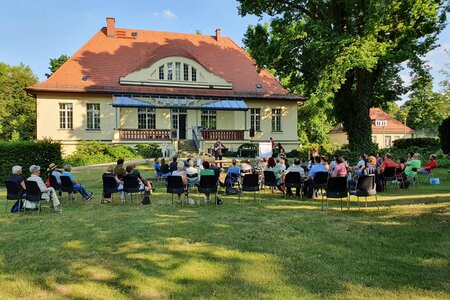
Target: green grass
x,y
279,249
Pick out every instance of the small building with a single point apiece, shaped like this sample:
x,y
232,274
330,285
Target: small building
x,y
127,86
385,130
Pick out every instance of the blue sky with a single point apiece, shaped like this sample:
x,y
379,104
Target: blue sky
x,y
34,31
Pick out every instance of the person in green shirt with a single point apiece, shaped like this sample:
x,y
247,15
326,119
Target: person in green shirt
x,y
415,164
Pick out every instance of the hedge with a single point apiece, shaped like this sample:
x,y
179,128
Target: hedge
x,y
27,153
417,142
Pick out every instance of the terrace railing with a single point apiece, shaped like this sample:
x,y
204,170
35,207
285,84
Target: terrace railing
x,y
144,134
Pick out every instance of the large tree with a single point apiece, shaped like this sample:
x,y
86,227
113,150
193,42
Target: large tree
x,y
344,54
56,63
17,109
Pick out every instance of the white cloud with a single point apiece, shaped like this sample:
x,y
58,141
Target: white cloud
x,y
166,13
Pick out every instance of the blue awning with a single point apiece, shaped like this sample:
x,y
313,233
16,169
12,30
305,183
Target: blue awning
x,y
196,103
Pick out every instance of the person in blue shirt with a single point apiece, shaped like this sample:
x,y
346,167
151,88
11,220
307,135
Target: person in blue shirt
x,y
77,187
315,168
157,167
52,169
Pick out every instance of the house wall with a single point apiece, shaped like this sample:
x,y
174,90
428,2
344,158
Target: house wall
x,y
48,121
379,138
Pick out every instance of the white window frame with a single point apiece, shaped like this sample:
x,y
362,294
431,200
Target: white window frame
x,y
146,118
209,119
93,116
65,116
276,120
380,123
255,118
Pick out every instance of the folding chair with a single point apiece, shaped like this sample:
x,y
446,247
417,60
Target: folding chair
x,y
413,178
34,193
131,186
13,192
320,181
366,187
294,180
110,186
208,185
67,187
175,186
389,175
337,188
54,184
270,180
425,178
250,183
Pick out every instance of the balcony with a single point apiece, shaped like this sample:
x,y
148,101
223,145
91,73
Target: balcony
x,y
144,134
226,135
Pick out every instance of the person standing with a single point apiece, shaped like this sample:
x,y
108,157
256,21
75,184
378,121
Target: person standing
x,y
217,148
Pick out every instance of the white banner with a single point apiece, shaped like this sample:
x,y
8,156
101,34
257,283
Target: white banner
x,y
265,149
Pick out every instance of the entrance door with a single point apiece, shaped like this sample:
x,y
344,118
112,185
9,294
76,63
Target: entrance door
x,y
179,123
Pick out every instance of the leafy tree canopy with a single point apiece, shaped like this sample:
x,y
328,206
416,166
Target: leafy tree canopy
x,y
17,109
56,63
344,54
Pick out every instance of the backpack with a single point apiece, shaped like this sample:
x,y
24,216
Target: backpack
x,y
230,190
17,206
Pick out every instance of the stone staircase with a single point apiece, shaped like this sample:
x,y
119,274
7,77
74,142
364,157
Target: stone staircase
x,y
187,148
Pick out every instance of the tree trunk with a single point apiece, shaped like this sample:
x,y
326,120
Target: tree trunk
x,y
352,106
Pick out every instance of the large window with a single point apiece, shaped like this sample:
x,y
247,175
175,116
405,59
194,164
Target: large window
x,y
146,118
65,116
161,72
169,71
185,72
255,119
194,74
177,71
387,141
93,116
276,119
209,119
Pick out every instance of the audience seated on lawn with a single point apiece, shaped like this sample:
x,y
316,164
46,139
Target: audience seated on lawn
x,y
324,161
206,171
110,173
192,173
157,167
165,170
315,168
48,192
360,166
246,167
119,170
414,163
294,168
173,165
77,187
371,165
147,183
387,163
429,166
272,166
340,170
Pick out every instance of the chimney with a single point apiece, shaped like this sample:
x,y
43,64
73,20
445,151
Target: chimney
x,y
110,27
218,31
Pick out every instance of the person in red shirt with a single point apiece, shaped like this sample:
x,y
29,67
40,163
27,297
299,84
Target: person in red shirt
x,y
387,163
429,166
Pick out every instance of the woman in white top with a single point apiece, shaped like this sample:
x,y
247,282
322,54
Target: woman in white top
x,y
48,192
192,173
180,172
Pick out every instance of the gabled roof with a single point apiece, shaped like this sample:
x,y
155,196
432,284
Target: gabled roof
x,y
104,59
392,124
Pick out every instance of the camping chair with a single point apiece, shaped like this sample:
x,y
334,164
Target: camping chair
x,y
294,180
389,175
131,185
208,185
413,178
337,188
250,183
34,193
67,187
320,181
175,186
270,180
13,192
110,186
231,180
366,187
54,184
425,178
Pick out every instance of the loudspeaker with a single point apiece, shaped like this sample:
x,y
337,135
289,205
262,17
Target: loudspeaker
x,y
252,132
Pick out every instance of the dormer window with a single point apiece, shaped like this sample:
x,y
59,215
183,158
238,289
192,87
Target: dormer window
x,y
176,71
380,123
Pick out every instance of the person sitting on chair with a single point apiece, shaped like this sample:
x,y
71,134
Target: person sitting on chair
x,y
174,164
429,166
192,173
77,187
272,166
110,173
180,172
246,167
157,167
142,187
17,177
147,183
340,170
48,192
206,171
52,170
119,170
413,165
309,182
233,170
294,168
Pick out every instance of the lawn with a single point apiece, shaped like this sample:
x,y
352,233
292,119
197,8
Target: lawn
x,y
279,249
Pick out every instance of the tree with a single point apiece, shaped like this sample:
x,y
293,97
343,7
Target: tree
x,y
56,63
17,109
444,135
344,53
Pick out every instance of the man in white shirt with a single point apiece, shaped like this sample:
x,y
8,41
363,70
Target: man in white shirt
x,y
294,168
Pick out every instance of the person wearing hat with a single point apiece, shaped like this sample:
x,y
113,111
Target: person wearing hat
x,y
52,170
48,192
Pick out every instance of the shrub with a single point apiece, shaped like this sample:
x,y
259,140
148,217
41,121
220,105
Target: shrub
x,y
77,159
91,148
149,150
121,151
27,153
444,135
416,142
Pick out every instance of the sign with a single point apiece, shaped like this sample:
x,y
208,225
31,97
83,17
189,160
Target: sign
x,y
265,149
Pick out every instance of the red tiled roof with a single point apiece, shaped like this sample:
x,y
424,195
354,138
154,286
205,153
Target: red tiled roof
x,y
105,59
393,125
